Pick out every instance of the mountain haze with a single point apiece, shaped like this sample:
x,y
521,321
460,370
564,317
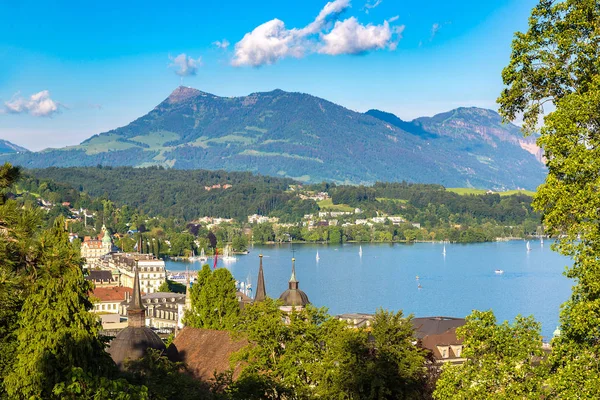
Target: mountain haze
x,y
311,139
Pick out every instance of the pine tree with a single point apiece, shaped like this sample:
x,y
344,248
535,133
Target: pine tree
x,y
56,331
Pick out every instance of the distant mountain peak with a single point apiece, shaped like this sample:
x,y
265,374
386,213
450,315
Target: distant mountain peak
x,y
183,93
7,147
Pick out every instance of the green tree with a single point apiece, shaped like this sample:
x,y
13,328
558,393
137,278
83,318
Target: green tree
x,y
502,361
557,61
214,300
56,332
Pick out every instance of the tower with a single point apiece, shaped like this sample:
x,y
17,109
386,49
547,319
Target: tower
x,y
261,292
293,297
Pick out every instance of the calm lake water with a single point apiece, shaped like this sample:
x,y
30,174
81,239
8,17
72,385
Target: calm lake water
x,y
385,276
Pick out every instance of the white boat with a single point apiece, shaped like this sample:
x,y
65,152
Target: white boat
x,y
542,241
317,258
499,271
203,257
193,258
528,246
444,251
228,255
360,251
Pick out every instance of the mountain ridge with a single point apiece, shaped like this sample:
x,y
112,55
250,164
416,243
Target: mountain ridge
x,y
308,138
7,147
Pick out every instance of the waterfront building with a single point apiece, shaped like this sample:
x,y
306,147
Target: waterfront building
x,y
133,341
293,297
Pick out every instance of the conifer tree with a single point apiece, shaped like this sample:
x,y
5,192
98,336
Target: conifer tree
x,y
56,331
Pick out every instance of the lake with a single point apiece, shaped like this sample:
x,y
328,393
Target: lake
x,y
385,276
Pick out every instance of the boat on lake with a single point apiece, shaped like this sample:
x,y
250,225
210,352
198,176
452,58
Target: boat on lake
x,y
528,246
499,271
203,257
317,257
444,251
228,255
360,251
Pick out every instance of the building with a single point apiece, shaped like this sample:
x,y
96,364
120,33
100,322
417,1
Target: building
x,y
92,249
132,342
151,269
163,309
293,297
357,320
438,335
108,299
102,278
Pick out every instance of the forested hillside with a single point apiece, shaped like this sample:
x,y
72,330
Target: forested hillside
x,y
311,139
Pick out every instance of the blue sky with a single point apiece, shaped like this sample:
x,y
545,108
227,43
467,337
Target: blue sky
x,y
70,69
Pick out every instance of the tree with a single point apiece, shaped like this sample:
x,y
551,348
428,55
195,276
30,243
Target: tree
x,y
557,61
214,300
56,331
502,361
212,239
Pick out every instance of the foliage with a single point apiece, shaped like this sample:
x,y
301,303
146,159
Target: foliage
x,y
172,287
214,300
502,361
309,354
56,332
86,386
165,379
556,61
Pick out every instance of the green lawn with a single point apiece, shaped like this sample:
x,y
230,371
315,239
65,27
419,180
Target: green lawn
x,y
463,191
394,200
327,205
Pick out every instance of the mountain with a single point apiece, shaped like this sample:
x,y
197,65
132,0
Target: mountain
x,y
7,147
311,139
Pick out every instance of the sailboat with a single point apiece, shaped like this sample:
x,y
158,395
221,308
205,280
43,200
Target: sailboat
x,y
203,257
228,254
541,241
528,246
360,251
317,258
444,251
193,258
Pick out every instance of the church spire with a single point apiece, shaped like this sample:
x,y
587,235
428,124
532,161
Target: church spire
x,y
261,292
136,312
293,283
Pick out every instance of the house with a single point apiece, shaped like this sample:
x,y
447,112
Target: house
x,y
108,299
357,320
438,335
102,278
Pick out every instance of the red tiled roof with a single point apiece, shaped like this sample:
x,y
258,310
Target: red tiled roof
x,y
115,293
205,351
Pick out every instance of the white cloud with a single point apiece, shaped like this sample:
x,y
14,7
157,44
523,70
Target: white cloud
x,y
272,41
222,44
351,37
267,44
39,105
371,5
185,65
394,18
